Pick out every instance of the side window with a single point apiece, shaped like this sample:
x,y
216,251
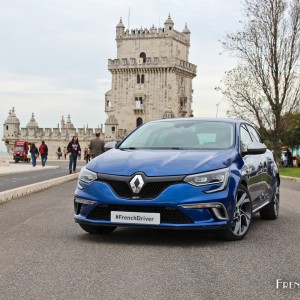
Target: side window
x,y
254,134
245,137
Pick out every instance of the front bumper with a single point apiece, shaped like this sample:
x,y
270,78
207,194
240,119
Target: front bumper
x,y
179,206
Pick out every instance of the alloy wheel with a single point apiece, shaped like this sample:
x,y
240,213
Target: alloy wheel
x,y
242,213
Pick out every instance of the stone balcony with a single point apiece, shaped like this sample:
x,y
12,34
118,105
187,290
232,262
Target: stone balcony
x,y
139,109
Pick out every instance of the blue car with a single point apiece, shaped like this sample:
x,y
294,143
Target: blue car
x,y
189,173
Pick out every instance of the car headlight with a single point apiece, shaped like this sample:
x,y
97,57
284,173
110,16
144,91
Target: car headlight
x,y
86,175
219,177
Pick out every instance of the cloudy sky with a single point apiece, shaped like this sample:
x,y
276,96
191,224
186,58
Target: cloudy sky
x,y
54,53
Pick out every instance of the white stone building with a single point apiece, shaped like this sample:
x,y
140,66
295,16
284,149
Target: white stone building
x,y
53,137
151,78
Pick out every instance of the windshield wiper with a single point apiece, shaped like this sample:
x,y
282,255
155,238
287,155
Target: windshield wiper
x,y
128,148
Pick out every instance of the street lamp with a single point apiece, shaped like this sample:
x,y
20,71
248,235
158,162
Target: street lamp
x,y
217,109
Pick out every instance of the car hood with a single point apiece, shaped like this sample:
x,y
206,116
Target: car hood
x,y
160,162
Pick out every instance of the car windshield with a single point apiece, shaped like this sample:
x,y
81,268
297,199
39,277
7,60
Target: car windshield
x,y
181,135
19,148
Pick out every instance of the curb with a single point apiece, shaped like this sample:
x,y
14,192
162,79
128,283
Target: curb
x,y
296,179
35,187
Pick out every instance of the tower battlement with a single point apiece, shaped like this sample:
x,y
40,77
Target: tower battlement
x,y
153,32
151,62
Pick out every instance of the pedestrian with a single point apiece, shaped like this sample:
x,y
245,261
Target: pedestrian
x,y
87,154
283,160
34,152
58,153
65,152
96,145
289,158
74,150
44,153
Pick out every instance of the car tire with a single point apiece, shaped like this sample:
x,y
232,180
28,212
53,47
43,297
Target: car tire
x,y
97,229
271,211
242,216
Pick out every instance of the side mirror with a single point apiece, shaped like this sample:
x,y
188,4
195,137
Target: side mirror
x,y
110,145
255,148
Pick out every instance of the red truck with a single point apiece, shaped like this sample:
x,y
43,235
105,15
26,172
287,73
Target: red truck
x,y
21,151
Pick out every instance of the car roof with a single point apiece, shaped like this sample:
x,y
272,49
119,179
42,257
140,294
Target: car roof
x,y
193,119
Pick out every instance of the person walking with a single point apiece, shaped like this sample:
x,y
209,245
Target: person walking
x,y
283,160
96,145
74,150
34,152
44,153
289,158
87,154
65,152
58,153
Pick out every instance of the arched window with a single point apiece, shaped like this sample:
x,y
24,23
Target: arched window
x,y
142,78
113,129
143,56
138,79
139,122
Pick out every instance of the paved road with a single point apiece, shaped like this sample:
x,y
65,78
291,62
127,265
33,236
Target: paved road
x,y
45,255
16,180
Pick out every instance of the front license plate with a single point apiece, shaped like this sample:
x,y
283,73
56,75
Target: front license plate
x,y
134,217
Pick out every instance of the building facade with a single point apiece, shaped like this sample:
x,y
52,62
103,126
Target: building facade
x,y
151,78
53,137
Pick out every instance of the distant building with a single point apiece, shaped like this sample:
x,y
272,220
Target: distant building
x,y
53,137
151,78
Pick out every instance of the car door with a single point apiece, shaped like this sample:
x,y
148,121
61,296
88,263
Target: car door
x,y
253,167
265,167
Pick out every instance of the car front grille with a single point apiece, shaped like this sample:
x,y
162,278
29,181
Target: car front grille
x,y
168,215
149,191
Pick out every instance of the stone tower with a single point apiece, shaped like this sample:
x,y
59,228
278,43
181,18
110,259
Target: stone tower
x,y
11,129
151,78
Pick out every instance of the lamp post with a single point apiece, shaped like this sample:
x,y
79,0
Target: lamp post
x,y
217,109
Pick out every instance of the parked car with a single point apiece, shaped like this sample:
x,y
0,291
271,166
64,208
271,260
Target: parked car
x,y
191,173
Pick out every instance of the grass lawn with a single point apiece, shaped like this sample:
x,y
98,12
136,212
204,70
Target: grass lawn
x,y
293,172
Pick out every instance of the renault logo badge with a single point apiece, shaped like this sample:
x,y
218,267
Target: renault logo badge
x,y
136,183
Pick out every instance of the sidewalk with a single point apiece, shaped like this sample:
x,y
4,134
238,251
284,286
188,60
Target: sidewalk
x,y
11,168
7,168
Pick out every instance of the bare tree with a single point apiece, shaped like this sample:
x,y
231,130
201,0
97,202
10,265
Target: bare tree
x,y
265,84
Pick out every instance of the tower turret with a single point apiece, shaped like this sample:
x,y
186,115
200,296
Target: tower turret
x,y
11,130
62,122
11,127
111,128
69,124
32,124
187,33
169,24
120,30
